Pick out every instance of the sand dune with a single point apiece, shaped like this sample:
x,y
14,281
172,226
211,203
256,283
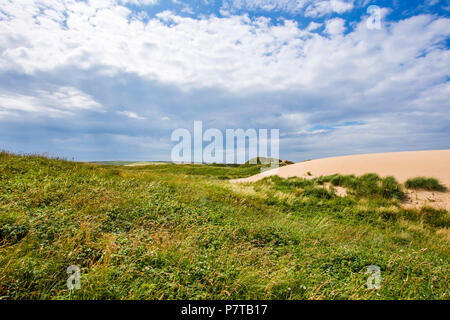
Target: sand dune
x,y
401,165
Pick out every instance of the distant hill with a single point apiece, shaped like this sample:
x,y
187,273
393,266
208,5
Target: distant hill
x,y
259,160
113,163
268,160
128,163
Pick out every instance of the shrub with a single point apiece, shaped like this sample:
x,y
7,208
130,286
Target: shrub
x,y
368,185
343,181
424,183
391,189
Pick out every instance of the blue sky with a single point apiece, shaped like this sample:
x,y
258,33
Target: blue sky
x,y
111,79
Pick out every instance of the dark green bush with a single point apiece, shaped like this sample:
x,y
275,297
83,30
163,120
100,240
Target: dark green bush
x,y
424,183
391,189
368,185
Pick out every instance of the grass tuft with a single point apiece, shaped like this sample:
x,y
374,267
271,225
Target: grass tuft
x,y
424,183
368,185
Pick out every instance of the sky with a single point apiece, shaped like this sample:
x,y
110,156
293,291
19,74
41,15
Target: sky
x,y
112,79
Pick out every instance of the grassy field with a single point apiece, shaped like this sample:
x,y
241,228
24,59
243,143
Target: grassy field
x,y
113,163
184,232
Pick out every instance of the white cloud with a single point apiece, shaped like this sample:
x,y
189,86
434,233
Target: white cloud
x,y
293,6
298,119
62,101
140,2
311,8
131,115
11,104
313,26
432,2
321,8
335,26
187,10
69,98
437,96
233,52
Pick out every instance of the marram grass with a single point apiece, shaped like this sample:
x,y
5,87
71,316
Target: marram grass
x,y
185,232
431,184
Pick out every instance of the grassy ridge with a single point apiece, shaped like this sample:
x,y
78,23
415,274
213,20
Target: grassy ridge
x,y
172,232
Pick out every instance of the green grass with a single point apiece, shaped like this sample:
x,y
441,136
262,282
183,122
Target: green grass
x,y
368,185
217,171
431,184
113,163
184,232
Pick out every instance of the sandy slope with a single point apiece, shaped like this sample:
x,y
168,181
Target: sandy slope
x,y
401,165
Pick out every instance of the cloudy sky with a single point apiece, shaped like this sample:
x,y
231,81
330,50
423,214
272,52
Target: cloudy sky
x,y
111,79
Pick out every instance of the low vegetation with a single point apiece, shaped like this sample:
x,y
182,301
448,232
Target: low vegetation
x,y
431,184
368,185
219,171
184,232
266,160
114,163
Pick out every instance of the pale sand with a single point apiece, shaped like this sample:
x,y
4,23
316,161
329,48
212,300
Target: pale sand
x,y
401,165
